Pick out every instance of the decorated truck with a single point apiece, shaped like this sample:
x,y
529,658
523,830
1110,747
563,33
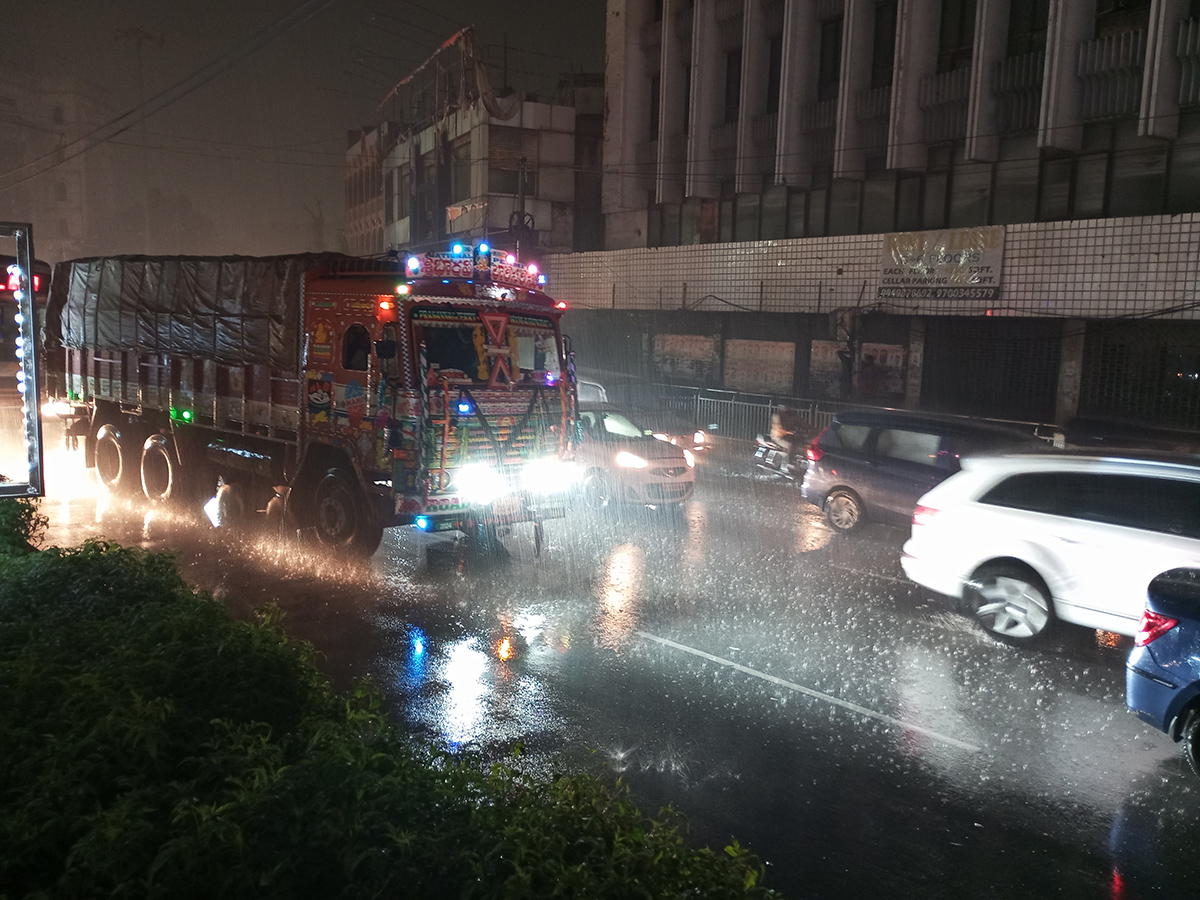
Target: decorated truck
x,y
336,395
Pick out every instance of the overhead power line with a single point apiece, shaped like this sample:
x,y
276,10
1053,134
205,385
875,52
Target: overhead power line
x,y
163,99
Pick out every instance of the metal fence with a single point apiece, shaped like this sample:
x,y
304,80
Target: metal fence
x,y
739,416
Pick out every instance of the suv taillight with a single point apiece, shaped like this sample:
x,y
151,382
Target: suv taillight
x,y
1152,626
814,451
923,514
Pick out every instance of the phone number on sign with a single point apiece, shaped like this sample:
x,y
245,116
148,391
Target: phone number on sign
x,y
917,293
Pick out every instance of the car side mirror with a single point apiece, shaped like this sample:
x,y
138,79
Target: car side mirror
x,y
385,349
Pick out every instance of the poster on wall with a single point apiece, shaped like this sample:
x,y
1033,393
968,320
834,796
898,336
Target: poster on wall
x,y
686,357
760,367
825,369
954,264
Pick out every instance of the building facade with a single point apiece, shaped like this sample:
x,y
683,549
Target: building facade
x,y
768,158
70,204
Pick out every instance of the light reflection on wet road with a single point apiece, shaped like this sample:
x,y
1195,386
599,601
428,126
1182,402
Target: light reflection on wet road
x,y
774,681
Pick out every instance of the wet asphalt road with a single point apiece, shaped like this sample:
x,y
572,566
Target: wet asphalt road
x,y
773,681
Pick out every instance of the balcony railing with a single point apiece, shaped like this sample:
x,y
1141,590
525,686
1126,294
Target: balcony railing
x,y
1187,49
1017,84
873,102
944,97
1111,71
764,128
818,116
724,136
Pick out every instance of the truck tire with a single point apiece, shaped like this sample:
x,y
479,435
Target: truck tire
x,y
342,518
113,465
161,473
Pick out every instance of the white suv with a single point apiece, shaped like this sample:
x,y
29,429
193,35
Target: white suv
x,y
1022,540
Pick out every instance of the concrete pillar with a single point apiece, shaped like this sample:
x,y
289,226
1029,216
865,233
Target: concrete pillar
x,y
752,103
1070,370
1159,116
917,24
991,47
674,71
1061,123
708,81
915,367
798,86
858,33
627,96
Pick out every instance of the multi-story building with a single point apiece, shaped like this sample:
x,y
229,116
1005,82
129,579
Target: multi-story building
x,y
67,196
1001,197
363,230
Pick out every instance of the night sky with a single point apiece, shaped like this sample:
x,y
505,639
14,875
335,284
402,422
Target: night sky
x,y
253,155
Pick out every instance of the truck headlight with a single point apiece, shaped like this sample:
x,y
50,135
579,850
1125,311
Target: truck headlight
x,y
627,460
480,484
549,476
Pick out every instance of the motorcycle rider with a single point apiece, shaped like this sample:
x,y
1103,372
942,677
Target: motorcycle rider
x,y
785,427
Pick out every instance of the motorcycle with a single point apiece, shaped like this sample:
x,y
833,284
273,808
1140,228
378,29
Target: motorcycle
x,y
772,459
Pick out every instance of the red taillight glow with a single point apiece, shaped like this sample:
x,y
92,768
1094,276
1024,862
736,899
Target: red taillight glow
x,y
923,514
14,282
1152,626
561,304
814,451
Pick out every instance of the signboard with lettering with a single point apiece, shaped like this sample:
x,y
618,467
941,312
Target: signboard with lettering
x,y
958,264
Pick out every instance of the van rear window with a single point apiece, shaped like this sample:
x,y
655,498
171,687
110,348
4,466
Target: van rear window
x,y
845,437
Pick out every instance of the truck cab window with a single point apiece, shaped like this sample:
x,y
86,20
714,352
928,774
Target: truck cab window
x,y
356,348
390,367
452,350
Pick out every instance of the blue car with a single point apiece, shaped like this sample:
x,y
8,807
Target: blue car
x,y
1162,676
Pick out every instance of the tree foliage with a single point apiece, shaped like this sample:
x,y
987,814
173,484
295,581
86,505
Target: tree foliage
x,y
153,746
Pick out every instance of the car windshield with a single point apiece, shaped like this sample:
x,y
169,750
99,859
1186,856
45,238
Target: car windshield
x,y
609,425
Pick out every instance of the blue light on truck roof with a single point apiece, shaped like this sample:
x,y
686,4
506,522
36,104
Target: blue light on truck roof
x,y
458,249
483,248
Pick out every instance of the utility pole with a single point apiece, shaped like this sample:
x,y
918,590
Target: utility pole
x,y
141,36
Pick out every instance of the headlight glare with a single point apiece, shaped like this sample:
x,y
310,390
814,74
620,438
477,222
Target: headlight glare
x,y
480,484
690,457
627,460
549,476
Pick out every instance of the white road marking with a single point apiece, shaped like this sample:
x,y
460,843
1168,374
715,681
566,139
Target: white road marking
x,y
801,689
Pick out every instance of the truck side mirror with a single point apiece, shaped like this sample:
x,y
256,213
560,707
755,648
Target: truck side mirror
x,y
385,349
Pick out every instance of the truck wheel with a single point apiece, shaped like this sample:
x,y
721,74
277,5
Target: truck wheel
x,y
161,475
112,463
341,516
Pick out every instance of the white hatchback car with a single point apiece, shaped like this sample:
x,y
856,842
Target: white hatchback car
x,y
621,461
1022,540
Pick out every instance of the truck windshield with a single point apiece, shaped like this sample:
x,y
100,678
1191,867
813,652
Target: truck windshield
x,y
460,348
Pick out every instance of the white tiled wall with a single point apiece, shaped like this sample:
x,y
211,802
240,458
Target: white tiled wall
x,y
1096,268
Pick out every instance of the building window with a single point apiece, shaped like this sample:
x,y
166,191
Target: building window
x,y
774,72
883,47
460,169
508,181
404,194
655,105
956,37
1027,23
733,85
1117,16
829,70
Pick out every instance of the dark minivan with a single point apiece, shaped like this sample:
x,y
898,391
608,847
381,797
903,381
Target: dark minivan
x,y
875,464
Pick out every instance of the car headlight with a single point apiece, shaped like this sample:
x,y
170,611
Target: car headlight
x,y
549,476
690,457
627,460
698,438
480,484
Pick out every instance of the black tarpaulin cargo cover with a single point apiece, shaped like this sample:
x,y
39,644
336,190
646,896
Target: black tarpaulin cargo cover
x,y
236,310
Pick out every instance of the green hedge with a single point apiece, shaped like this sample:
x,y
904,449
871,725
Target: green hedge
x,y
152,746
